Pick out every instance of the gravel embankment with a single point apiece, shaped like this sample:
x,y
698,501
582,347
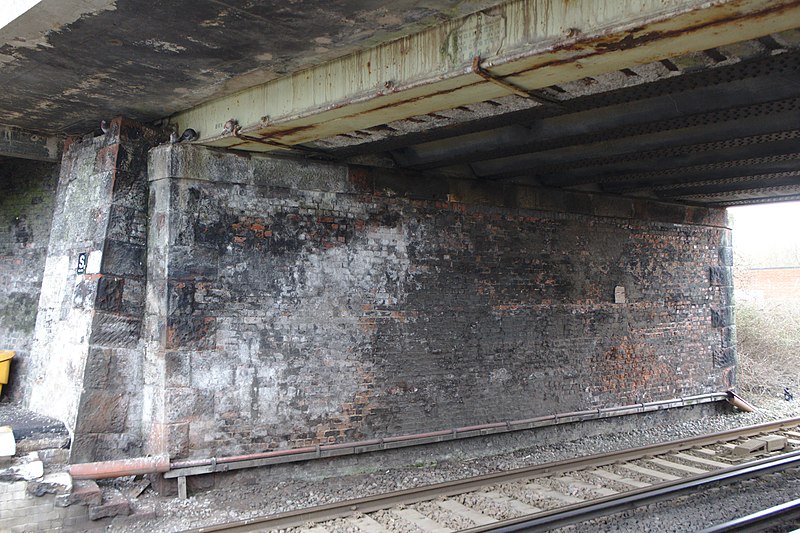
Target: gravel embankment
x,y
258,500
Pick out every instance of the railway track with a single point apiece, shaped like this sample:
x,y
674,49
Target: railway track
x,y
553,494
779,515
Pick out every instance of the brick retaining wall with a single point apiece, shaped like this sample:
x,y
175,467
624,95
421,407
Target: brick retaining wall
x,y
300,303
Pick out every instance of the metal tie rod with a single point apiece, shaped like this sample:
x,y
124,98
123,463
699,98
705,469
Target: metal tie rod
x,y
611,505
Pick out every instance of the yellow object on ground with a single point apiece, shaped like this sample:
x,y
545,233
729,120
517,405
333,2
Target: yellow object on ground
x,y
5,366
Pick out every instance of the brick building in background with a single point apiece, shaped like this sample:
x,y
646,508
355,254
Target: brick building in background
x,y
769,284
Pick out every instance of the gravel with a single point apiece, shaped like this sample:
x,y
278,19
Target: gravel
x,y
254,500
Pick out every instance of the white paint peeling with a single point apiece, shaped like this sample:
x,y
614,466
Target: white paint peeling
x,y
163,46
87,84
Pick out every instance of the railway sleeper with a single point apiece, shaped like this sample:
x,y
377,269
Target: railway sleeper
x,y
550,494
598,490
455,507
633,483
415,518
672,465
701,460
649,472
514,504
488,504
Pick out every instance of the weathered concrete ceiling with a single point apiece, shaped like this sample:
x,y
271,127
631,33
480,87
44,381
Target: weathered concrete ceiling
x,y
67,63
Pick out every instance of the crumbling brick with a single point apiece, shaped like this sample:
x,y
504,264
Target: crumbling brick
x,y
84,491
114,504
57,483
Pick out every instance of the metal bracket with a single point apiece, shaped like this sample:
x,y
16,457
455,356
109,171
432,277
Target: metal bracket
x,y
519,91
271,142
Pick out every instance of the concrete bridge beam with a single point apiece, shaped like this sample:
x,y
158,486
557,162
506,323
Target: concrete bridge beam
x,y
16,142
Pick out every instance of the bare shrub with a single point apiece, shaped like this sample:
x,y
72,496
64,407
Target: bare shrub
x,y
768,346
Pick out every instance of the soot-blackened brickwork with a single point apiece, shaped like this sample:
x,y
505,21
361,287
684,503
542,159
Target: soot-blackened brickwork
x,y
311,304
27,194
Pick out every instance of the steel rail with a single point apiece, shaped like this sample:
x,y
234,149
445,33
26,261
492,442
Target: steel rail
x,y
600,507
758,521
373,503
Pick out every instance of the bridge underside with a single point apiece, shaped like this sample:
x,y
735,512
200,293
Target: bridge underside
x,y
683,100
717,127
513,213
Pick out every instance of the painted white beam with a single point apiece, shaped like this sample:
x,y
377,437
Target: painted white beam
x,y
529,44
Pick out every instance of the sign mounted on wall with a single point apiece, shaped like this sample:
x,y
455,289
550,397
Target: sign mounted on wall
x,y
619,295
81,263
